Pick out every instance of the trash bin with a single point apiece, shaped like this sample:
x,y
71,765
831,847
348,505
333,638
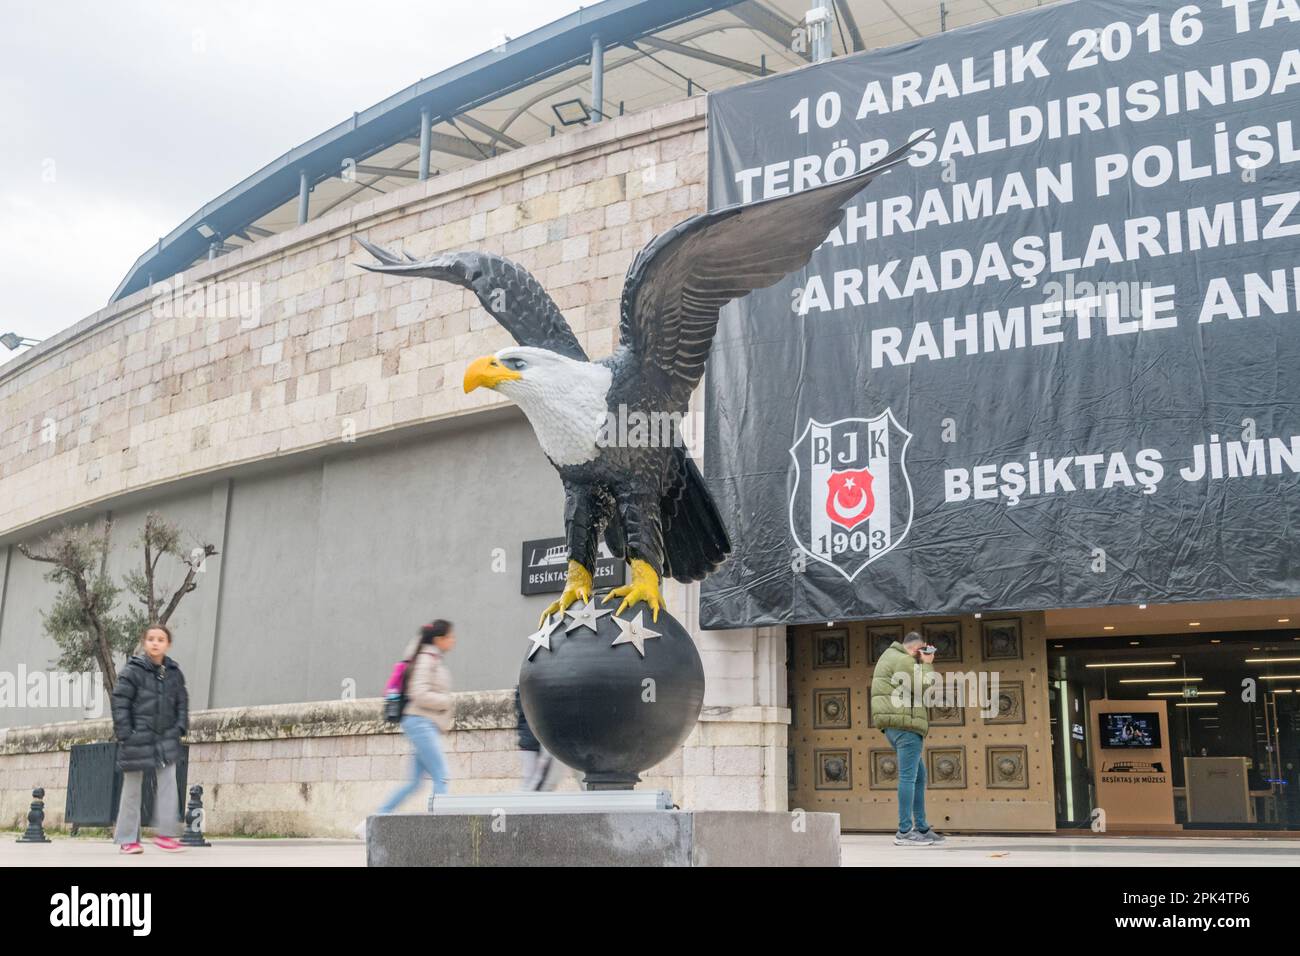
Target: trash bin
x,y
95,787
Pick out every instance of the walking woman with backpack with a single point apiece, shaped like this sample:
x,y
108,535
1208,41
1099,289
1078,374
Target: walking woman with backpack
x,y
425,706
151,713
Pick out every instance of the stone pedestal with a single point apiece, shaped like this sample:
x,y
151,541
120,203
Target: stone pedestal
x,y
612,838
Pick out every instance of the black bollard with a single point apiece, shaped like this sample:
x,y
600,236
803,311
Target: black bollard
x,y
36,820
193,835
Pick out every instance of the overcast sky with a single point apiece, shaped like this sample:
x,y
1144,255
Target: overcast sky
x,y
120,118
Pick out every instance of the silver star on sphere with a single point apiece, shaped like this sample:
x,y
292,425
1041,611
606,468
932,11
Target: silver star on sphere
x,y
634,632
586,617
542,636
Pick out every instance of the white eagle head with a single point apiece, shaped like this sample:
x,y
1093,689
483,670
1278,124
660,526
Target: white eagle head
x,y
524,374
564,398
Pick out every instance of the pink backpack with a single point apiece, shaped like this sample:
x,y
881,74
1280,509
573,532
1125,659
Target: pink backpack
x,y
395,693
394,685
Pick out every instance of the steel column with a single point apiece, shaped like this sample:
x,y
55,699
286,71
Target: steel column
x,y
597,79
304,194
426,141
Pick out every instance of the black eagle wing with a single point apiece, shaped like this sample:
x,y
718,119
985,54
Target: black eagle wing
x,y
678,283
506,290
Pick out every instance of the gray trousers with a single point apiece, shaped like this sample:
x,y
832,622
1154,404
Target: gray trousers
x,y
166,812
539,769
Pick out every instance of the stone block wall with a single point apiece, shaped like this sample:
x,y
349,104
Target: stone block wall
x,y
315,770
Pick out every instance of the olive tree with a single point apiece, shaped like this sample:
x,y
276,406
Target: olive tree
x,y
84,620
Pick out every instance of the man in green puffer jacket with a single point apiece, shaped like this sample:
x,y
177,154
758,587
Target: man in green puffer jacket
x,y
897,708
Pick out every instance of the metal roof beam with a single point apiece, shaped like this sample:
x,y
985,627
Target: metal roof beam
x,y
846,17
496,134
456,146
690,81
717,59
485,150
772,25
367,170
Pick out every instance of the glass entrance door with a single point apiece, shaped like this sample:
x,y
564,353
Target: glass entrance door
x,y
1068,716
1282,737
1233,716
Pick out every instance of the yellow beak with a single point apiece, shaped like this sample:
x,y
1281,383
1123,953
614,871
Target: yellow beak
x,y
487,372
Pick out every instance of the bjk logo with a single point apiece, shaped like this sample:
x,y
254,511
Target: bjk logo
x,y
851,499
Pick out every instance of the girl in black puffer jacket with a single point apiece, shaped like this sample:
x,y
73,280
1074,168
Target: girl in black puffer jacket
x,y
151,713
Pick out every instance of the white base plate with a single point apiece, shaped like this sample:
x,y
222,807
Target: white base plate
x,y
536,801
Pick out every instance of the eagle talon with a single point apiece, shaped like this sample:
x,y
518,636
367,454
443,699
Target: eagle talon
x,y
643,589
577,587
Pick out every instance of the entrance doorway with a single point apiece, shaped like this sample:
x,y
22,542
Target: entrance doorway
x,y
988,762
1230,712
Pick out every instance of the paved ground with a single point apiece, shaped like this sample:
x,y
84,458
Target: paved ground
x,y
879,850
859,850
89,851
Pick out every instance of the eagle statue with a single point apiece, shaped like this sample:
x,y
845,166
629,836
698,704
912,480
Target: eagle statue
x,y
648,500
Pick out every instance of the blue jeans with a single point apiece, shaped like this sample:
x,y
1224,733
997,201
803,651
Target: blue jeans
x,y
427,759
911,779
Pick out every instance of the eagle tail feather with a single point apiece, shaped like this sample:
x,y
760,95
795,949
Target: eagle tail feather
x,y
695,539
614,539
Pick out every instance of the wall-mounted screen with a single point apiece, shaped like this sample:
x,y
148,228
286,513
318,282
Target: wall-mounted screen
x,y
1139,731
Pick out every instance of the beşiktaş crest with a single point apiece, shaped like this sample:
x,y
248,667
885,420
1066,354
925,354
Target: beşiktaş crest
x,y
851,498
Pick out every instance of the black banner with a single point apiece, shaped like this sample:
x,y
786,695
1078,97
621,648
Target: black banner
x,y
1054,361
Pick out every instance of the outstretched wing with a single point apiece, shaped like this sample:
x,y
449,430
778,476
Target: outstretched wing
x,y
507,291
679,282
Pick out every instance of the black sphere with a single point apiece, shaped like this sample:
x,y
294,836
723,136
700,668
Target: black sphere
x,y
606,710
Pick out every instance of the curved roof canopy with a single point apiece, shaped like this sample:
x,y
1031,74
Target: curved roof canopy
x,y
654,51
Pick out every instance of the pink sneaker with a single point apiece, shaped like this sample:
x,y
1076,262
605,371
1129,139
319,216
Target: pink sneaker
x,y
131,848
168,844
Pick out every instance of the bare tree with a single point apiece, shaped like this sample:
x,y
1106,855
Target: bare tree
x,y
161,538
81,621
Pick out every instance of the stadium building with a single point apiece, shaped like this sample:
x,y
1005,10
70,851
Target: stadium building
x,y
248,381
